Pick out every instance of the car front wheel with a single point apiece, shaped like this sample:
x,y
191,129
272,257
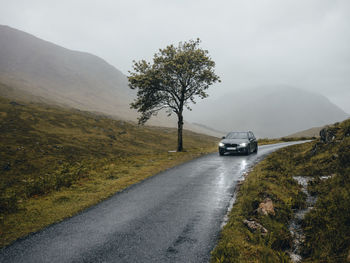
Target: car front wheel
x,y
221,152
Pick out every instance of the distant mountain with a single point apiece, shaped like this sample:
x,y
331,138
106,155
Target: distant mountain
x,y
198,127
268,111
31,67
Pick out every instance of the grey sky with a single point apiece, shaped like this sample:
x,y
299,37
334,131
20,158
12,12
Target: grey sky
x,y
301,43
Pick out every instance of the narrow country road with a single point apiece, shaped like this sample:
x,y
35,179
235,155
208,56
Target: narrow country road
x,y
174,216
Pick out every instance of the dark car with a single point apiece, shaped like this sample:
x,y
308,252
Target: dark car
x,y
238,142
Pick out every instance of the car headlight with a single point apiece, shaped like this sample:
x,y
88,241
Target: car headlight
x,y
243,144
221,144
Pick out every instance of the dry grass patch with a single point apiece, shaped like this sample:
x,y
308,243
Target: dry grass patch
x,y
56,162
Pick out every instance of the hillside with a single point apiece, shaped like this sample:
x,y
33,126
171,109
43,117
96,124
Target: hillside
x,y
294,206
312,132
268,111
45,70
55,161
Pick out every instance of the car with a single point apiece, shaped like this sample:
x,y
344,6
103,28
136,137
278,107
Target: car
x,y
238,142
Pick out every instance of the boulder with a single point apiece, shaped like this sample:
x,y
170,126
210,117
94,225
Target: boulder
x,y
266,207
328,134
255,226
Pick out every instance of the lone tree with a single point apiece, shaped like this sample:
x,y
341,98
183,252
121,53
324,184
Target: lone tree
x,y
175,78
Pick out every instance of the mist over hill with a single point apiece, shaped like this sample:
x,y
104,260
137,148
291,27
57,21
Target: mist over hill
x,y
268,111
34,69
44,70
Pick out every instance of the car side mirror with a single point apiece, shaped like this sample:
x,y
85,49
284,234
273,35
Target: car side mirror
x,y
223,137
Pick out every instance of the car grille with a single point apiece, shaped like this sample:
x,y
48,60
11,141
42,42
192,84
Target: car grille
x,y
231,145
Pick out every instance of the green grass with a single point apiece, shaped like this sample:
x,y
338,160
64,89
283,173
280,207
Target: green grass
x,y
56,162
327,226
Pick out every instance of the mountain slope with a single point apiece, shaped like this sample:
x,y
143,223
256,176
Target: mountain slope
x,y
268,111
312,132
42,69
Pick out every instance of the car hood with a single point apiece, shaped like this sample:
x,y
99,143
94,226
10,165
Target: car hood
x,y
236,141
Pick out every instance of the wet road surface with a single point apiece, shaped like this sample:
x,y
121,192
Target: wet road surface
x,y
174,216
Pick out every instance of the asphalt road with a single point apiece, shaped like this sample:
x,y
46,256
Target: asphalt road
x,y
175,216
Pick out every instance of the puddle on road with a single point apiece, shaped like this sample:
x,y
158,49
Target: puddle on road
x,y
295,224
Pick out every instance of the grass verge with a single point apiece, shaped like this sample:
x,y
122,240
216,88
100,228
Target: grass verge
x,y
326,227
268,180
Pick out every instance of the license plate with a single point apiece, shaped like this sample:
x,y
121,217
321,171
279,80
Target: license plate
x,y
231,148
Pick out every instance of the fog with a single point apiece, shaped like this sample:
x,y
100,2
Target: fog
x,y
304,44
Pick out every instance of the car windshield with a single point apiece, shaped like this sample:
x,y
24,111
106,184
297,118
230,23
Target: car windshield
x,y
237,135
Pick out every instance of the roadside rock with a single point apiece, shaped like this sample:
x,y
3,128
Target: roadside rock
x,y
266,207
255,226
328,134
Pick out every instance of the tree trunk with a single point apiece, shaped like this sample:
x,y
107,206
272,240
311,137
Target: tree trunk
x,y
179,132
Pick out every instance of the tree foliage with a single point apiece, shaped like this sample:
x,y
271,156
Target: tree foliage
x,y
172,82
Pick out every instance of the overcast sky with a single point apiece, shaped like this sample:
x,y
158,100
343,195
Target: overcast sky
x,y
301,43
